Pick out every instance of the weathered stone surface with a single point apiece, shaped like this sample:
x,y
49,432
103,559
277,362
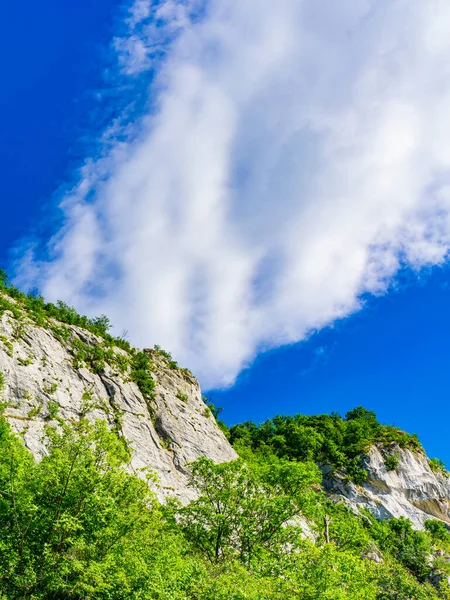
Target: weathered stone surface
x,y
373,555
412,490
166,432
174,427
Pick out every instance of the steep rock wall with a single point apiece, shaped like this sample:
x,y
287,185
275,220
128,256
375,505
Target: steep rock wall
x,y
413,490
43,378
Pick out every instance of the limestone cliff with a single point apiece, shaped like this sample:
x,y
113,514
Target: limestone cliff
x,y
61,370
412,490
49,370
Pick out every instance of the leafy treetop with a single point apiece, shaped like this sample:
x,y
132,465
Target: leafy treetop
x,y
327,439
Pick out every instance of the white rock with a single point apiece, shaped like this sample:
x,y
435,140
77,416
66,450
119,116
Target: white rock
x,y
166,433
413,490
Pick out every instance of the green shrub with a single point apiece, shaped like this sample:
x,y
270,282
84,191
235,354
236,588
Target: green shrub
x,y
53,409
50,388
436,464
141,374
182,396
438,530
35,411
158,350
25,362
356,472
391,462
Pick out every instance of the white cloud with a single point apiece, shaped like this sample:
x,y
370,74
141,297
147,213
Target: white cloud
x,y
298,154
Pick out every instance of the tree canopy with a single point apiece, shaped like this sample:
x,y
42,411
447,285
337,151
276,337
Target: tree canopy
x,y
78,526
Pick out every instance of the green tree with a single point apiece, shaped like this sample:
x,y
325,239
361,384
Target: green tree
x,y
3,279
361,413
438,530
411,548
329,574
62,519
243,509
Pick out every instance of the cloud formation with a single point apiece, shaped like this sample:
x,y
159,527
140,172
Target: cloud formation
x,y
292,157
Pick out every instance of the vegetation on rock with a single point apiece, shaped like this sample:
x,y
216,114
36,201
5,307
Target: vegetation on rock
x,y
77,525
327,439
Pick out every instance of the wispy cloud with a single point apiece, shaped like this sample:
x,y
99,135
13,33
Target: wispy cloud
x,y
294,154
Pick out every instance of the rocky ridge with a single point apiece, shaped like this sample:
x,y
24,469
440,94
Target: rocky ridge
x,y
50,371
412,490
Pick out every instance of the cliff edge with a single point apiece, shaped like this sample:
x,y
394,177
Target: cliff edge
x,y
57,370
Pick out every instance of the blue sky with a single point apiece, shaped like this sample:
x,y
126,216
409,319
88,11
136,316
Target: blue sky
x,y
231,178
53,54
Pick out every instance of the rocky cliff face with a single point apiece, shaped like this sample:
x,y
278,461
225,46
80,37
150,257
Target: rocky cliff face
x,y
412,490
52,370
55,370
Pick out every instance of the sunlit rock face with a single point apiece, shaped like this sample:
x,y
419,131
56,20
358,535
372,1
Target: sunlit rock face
x,y
43,379
413,490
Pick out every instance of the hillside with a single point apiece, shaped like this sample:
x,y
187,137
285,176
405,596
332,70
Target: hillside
x,y
364,463
117,482
58,369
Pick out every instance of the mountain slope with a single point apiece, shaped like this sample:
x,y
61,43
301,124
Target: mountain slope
x,y
364,463
412,489
78,522
50,369
57,369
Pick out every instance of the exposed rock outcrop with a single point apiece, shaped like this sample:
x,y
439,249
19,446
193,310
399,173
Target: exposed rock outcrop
x,y
43,377
49,369
412,490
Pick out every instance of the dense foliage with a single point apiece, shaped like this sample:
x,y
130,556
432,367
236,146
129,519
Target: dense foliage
x,y
78,526
326,439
